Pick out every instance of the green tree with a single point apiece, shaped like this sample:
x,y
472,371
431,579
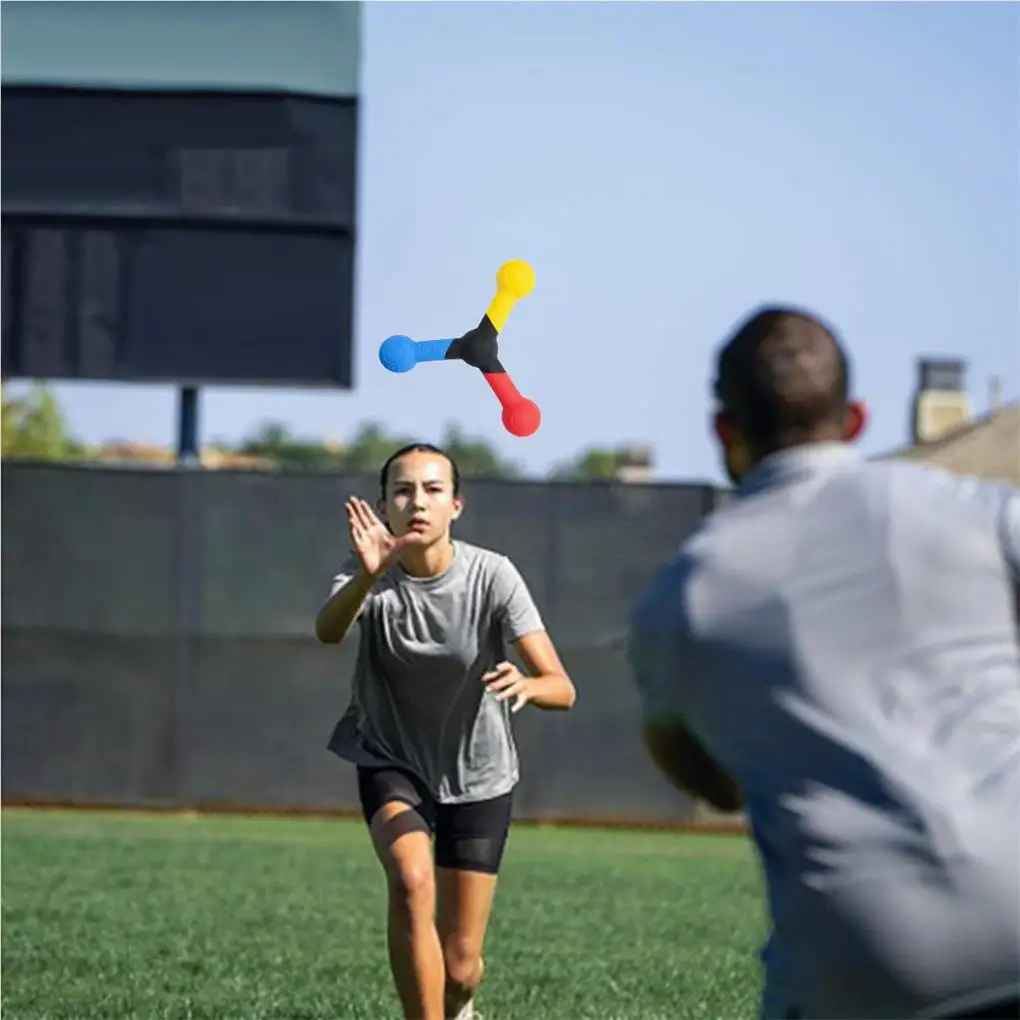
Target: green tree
x,y
274,442
368,449
371,445
35,427
591,464
475,458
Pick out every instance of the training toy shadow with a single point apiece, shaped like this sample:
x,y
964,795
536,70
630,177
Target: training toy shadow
x,y
479,347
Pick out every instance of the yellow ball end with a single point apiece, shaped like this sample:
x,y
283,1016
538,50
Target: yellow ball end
x,y
516,277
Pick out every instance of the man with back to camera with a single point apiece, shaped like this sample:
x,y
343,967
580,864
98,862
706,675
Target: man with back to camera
x,y
836,651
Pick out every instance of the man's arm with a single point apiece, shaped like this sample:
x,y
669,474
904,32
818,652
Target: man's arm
x,y
683,760
1010,536
1000,504
662,653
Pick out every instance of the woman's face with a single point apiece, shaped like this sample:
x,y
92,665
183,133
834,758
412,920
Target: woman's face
x,y
419,496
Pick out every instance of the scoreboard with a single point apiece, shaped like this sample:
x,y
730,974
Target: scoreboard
x,y
179,191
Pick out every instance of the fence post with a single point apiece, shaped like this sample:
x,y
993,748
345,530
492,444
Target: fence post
x,y
552,555
186,583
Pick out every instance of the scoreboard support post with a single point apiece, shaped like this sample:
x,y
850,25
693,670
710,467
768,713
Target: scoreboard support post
x,y
187,427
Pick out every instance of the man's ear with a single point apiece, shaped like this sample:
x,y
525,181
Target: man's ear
x,y
856,420
458,508
736,455
724,428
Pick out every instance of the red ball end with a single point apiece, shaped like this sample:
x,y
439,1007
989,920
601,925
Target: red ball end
x,y
522,419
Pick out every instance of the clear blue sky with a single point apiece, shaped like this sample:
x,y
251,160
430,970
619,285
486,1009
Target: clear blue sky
x,y
665,167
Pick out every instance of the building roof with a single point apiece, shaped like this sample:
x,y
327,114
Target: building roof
x,y
987,447
149,455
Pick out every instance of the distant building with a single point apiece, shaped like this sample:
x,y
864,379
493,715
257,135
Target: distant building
x,y
147,455
944,432
635,464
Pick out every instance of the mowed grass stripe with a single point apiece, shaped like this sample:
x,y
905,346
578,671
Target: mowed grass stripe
x,y
191,826
160,916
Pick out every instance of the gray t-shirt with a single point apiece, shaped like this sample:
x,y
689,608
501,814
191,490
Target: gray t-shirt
x,y
417,699
842,636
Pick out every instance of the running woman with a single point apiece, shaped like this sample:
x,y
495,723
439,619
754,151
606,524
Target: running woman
x,y
836,649
429,721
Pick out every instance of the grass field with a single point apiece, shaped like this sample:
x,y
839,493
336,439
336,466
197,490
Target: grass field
x,y
125,916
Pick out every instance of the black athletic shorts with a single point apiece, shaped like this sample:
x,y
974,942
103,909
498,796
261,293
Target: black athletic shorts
x,y
467,837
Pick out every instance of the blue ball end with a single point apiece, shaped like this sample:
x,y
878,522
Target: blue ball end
x,y
397,354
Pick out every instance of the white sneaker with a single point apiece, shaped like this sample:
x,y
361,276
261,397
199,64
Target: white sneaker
x,y
467,1012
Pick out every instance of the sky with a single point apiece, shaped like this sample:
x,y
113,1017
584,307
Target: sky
x,y
665,168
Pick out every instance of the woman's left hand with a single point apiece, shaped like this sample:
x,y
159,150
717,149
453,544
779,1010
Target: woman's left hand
x,y
507,681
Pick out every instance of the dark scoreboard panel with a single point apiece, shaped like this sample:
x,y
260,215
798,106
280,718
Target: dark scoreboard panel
x,y
114,300
179,236
237,157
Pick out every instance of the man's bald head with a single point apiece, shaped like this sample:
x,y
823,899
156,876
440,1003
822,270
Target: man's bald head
x,y
783,379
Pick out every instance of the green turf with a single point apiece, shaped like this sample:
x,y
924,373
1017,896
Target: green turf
x,y
129,916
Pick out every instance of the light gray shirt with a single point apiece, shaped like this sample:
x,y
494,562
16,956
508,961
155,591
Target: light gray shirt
x,y
842,637
417,699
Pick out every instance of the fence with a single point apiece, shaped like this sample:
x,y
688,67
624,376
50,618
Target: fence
x,y
157,635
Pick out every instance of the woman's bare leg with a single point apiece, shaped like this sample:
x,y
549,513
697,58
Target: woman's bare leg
x,y
464,906
403,844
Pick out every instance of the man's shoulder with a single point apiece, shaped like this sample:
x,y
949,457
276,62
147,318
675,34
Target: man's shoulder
x,y
894,480
898,471
709,540
909,485
911,477
665,592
